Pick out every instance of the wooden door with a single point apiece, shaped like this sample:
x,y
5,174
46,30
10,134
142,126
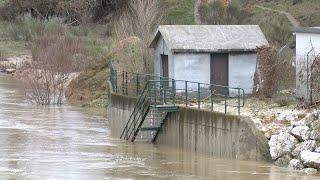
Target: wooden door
x,y
165,65
219,73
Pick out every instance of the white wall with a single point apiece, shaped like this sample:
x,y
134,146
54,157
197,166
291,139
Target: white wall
x,y
196,67
304,43
242,67
162,49
192,67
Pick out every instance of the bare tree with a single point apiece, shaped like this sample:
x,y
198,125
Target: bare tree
x,y
140,20
315,80
53,61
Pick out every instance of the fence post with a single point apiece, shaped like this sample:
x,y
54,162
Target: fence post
x,y
127,83
186,94
123,82
111,79
199,96
164,87
239,102
160,89
116,81
174,91
211,98
225,100
138,85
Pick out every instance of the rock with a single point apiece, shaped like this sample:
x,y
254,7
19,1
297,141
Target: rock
x,y
288,117
310,171
301,132
281,144
310,159
316,115
267,135
317,150
295,164
306,145
298,123
309,118
283,161
315,124
315,134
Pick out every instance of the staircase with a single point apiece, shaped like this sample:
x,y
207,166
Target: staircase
x,y
146,121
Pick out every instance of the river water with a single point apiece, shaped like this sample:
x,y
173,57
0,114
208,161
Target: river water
x,y
71,143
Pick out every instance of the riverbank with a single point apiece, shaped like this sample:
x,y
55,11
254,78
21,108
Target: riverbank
x,y
65,142
195,131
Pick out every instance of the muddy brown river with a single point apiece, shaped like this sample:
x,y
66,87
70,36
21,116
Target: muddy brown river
x,y
65,142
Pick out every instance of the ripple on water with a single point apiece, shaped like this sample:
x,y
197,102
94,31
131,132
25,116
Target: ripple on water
x,y
63,142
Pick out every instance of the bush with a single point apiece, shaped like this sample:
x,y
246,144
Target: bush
x,y
27,29
219,14
72,11
53,61
294,2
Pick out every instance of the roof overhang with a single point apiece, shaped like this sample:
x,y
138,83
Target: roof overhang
x,y
213,50
312,30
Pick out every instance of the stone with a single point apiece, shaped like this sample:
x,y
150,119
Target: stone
x,y
310,159
317,150
288,117
310,171
283,161
298,123
315,124
316,115
281,144
306,145
315,134
295,164
309,118
301,132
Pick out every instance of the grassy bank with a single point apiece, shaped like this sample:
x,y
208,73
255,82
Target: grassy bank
x,y
102,44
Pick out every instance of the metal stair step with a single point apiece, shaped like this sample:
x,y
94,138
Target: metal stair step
x,y
167,108
150,129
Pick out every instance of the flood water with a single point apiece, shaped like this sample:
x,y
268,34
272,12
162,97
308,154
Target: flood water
x,y
71,143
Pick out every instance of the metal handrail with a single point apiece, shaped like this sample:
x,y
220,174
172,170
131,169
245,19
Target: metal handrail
x,y
130,85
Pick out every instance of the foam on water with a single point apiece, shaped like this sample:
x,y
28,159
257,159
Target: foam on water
x,y
63,142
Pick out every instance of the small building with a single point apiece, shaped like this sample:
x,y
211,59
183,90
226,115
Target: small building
x,y
307,49
213,54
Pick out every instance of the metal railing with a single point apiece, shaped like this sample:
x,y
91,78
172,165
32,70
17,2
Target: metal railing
x,y
179,92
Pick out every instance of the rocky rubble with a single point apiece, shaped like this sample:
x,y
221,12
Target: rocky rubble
x,y
297,146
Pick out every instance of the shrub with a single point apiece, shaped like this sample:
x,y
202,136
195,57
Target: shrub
x,y
73,11
282,102
53,61
27,29
219,13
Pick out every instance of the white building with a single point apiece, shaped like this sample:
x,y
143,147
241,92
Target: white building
x,y
307,48
213,54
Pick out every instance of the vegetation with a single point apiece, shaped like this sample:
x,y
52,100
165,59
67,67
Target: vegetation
x,y
121,30
71,11
306,11
178,12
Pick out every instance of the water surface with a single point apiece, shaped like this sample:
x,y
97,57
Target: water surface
x,y
65,142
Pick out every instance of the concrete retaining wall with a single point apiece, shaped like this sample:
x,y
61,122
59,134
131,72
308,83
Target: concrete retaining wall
x,y
200,131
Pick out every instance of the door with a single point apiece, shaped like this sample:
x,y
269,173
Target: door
x,y
164,65
219,72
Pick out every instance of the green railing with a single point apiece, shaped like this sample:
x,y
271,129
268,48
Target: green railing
x,y
137,117
155,93
184,93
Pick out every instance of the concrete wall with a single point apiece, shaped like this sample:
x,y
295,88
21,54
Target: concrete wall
x,y
192,67
119,111
199,131
196,67
304,44
242,67
162,48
